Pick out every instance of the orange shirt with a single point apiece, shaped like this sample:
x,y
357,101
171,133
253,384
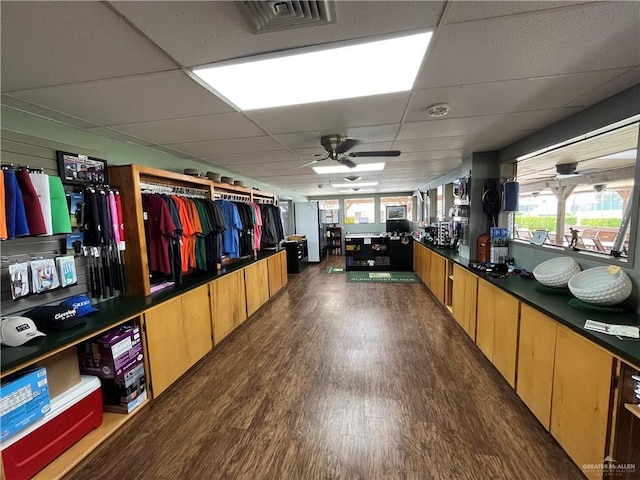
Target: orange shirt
x,y
187,230
197,230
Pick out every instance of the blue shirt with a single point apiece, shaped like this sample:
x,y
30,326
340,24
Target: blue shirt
x,y
230,237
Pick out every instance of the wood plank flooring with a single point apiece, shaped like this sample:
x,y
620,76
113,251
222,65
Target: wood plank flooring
x,y
337,380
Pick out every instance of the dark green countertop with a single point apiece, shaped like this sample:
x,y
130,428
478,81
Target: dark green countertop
x,y
557,307
113,312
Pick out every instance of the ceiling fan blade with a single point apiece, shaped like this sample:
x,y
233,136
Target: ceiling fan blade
x,y
387,153
346,162
312,162
348,144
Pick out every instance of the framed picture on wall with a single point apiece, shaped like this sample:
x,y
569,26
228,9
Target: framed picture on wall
x,y
77,169
397,212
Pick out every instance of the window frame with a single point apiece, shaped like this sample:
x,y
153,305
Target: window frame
x,y
349,199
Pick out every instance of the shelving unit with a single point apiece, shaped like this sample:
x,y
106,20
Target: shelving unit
x,y
128,179
633,408
334,240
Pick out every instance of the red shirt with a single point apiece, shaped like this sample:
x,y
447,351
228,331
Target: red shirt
x,y
159,227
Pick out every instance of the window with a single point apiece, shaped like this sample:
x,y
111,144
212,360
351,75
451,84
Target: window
x,y
329,210
359,210
394,202
439,204
580,193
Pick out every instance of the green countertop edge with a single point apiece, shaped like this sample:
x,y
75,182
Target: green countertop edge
x,y
557,307
112,313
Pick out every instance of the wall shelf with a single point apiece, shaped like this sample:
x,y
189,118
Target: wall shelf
x,y
633,408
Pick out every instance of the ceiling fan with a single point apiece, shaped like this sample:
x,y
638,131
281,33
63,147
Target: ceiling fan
x,y
337,147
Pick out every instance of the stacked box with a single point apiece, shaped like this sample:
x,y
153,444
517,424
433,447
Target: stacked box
x,y
117,359
23,400
125,392
113,354
499,245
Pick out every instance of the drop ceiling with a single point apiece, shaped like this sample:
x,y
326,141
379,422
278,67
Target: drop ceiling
x,y
507,69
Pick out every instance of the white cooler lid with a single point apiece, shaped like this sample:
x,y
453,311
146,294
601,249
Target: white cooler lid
x,y
88,384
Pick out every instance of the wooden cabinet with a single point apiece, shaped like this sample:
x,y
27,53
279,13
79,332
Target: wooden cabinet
x,y
228,304
256,279
485,318
196,318
438,276
536,356
166,345
582,389
418,252
464,299
498,317
277,268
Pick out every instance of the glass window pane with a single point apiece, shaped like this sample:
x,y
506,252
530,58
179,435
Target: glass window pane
x,y
359,210
329,204
394,201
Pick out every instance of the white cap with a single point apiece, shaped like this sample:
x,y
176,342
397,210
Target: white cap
x,y
16,331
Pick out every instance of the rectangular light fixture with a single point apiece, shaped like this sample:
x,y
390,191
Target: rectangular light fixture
x,y
365,167
364,190
354,185
317,74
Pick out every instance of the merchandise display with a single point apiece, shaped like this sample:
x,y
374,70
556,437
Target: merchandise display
x,y
19,278
81,304
67,271
44,276
56,317
24,400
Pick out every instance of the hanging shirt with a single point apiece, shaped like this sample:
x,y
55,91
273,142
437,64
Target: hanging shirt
x,y
40,182
60,219
257,236
113,215
16,216
35,219
197,232
230,238
187,230
3,215
120,219
158,228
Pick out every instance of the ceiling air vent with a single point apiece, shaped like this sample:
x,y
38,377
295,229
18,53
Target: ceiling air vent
x,y
270,16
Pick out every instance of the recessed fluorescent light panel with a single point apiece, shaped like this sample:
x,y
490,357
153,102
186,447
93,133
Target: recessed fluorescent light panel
x,y
357,190
354,185
316,74
365,167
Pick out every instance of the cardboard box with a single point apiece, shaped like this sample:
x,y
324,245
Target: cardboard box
x,y
296,238
129,407
112,354
125,388
24,398
63,371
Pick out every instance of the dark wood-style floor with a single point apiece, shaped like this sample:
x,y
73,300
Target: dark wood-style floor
x,y
337,380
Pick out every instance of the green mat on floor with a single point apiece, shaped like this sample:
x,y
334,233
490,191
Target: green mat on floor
x,y
334,270
382,277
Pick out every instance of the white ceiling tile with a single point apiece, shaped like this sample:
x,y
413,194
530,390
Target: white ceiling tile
x,y
509,96
335,116
44,112
539,44
254,158
116,135
463,11
51,43
191,32
467,143
376,133
407,157
229,146
193,129
141,98
626,80
445,127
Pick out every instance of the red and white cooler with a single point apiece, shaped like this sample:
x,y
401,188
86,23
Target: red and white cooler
x,y
73,414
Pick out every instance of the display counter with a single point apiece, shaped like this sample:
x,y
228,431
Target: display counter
x,y
378,252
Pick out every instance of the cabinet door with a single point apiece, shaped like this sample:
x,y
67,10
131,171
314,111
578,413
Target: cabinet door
x,y
275,276
505,334
228,304
464,299
536,353
167,352
582,384
417,258
284,277
196,318
256,279
485,318
438,274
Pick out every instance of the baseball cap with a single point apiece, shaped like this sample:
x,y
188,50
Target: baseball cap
x,y
57,317
16,331
81,303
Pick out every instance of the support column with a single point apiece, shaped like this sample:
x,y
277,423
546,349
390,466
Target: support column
x,y
561,193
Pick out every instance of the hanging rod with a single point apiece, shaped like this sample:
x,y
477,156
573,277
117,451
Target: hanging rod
x,y
153,187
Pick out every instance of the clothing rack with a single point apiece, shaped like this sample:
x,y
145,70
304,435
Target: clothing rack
x,y
12,166
265,201
153,187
